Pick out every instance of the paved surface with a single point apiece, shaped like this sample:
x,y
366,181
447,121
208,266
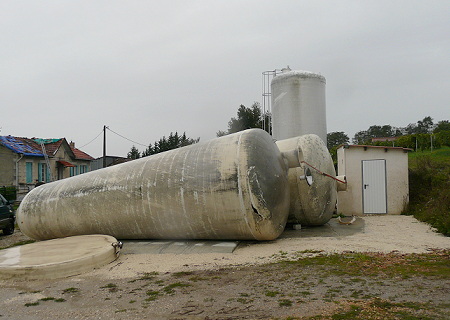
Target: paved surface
x,y
332,229
177,247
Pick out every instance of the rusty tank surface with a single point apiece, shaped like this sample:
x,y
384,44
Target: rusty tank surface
x,y
233,187
313,191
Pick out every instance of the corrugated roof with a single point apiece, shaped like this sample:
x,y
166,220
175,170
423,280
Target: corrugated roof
x,y
25,146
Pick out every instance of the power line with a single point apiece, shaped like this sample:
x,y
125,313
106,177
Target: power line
x,y
92,140
126,138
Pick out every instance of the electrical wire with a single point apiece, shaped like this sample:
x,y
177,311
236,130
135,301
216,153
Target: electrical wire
x,y
91,140
126,138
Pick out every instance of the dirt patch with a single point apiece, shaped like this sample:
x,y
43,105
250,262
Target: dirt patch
x,y
16,238
387,271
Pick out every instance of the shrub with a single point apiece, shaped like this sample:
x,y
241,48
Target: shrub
x,y
8,192
429,192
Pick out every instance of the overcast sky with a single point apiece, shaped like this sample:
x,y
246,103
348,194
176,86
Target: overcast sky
x,y
149,68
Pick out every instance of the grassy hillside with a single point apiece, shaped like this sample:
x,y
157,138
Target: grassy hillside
x,y
429,187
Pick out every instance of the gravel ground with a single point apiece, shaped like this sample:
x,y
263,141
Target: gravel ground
x,y
249,283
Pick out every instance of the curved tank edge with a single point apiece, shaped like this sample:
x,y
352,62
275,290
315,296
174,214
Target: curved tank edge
x,y
303,196
298,74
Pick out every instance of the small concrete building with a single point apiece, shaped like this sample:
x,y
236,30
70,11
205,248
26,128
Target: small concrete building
x,y
377,179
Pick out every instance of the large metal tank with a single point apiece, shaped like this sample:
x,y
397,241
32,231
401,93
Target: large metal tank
x,y
312,185
298,105
233,187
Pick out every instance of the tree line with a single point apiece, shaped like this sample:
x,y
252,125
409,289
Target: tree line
x,y
163,144
419,135
247,118
414,135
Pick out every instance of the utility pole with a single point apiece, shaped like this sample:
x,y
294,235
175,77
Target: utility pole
x,y
104,146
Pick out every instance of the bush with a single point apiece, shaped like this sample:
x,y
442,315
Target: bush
x,y
429,192
8,192
443,138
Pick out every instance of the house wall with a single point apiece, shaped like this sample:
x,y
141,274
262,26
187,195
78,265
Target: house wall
x,y
10,175
350,202
62,154
7,167
24,187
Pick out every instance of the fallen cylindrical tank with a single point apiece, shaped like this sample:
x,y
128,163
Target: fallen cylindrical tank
x,y
233,187
313,193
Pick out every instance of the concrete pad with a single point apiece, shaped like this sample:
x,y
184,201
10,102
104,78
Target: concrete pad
x,y
331,229
177,246
57,258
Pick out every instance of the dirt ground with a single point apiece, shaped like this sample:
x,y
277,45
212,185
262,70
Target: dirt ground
x,y
282,279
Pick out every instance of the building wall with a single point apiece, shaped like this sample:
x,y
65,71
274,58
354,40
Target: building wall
x,y
7,167
350,202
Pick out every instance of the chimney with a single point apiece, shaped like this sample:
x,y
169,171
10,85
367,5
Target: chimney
x,y
72,144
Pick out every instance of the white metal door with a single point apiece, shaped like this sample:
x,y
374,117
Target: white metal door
x,y
374,186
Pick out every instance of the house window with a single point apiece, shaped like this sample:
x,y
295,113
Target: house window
x,y
74,171
83,169
42,172
29,172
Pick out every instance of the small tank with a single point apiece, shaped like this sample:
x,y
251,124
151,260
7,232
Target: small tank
x,y
233,187
312,194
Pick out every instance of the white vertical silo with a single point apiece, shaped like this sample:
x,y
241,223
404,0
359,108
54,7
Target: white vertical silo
x,y
298,104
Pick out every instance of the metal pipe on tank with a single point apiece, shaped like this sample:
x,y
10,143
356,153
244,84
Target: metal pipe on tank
x,y
312,193
233,187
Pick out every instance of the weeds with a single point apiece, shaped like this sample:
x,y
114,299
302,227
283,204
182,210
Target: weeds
x,y
271,293
285,303
32,304
152,295
70,290
169,289
111,287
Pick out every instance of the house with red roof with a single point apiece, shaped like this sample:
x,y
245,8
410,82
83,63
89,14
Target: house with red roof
x,y
25,162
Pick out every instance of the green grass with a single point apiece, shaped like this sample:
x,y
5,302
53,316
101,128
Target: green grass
x,y
285,303
32,304
439,155
152,295
271,293
429,188
390,265
383,309
47,299
70,290
169,289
